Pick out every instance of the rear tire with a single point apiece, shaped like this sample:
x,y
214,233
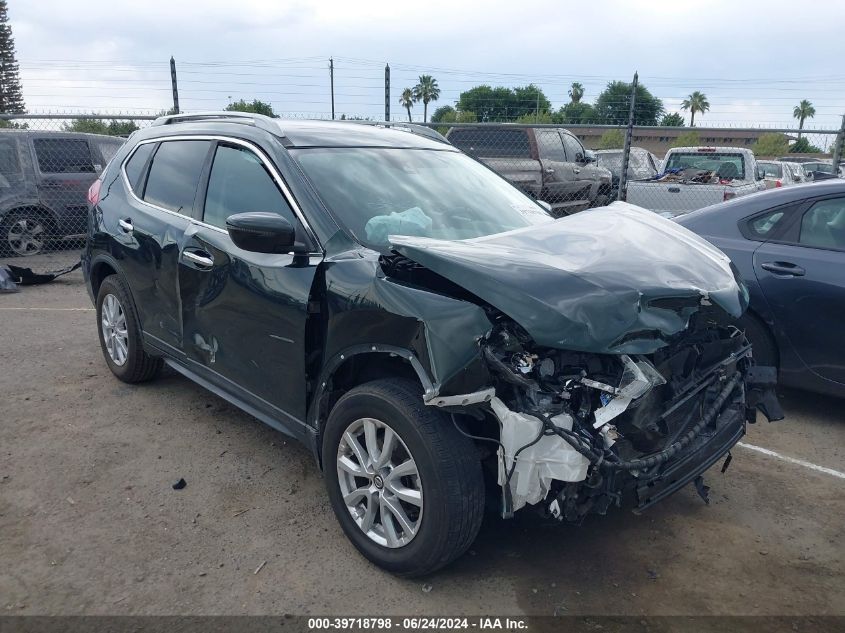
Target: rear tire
x,y
447,478
119,332
25,233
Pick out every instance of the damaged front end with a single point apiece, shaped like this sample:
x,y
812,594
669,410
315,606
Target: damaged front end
x,y
580,432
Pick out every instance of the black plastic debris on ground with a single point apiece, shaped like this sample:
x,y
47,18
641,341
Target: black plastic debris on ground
x,y
180,484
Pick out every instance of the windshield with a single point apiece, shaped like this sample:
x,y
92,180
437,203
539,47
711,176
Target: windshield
x,y
377,192
727,166
771,169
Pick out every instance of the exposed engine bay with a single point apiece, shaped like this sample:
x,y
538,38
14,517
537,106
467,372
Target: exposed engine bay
x,y
580,432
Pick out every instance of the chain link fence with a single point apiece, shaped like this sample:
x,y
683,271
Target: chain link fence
x,y
48,162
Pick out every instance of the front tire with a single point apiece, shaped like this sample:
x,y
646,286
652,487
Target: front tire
x,y
405,485
120,334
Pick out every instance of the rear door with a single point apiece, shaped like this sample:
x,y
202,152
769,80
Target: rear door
x,y
163,178
65,168
244,313
802,277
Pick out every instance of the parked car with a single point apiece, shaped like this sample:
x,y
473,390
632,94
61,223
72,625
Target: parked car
x,y
696,177
780,174
548,164
417,322
789,246
823,170
43,180
642,165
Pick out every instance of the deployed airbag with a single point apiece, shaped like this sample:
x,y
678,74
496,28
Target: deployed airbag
x,y
409,222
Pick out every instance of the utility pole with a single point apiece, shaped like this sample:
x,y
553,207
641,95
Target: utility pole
x,y
331,79
626,151
387,92
173,85
837,146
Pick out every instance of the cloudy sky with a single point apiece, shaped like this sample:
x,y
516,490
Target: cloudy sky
x,y
754,60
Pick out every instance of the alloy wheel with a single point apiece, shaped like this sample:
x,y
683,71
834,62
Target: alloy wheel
x,y
115,334
26,236
380,482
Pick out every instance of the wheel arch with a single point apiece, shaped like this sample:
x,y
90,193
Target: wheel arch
x,y
767,327
355,366
32,207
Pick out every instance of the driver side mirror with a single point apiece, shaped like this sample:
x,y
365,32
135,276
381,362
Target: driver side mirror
x,y
761,175
261,232
587,158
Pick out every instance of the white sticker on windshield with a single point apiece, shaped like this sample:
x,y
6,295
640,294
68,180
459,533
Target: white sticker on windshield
x,y
530,210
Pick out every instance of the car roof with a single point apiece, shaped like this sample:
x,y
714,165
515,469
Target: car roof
x,y
295,133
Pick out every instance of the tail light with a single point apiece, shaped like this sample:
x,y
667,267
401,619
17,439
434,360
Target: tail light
x,y
728,195
778,183
94,192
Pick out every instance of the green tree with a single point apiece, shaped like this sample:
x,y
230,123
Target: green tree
x,y
407,101
770,145
542,117
687,139
802,111
803,146
255,106
99,126
454,116
442,111
613,104
612,139
11,95
672,119
503,104
696,102
426,91
576,91
576,112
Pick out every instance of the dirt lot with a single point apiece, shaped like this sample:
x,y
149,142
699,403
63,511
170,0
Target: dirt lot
x,y
91,525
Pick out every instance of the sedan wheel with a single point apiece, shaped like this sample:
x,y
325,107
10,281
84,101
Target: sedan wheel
x,y
380,482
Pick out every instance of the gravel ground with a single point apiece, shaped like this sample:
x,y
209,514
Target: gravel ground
x,y
91,525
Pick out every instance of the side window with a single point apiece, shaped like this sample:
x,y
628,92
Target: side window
x,y
63,156
823,225
764,227
550,145
239,183
573,147
135,167
175,174
9,163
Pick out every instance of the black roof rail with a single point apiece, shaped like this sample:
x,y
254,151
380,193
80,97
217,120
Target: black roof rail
x,y
261,121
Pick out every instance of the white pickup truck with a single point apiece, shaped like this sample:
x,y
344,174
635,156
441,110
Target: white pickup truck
x,y
696,177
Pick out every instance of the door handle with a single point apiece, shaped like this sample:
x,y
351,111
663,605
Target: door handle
x,y
783,268
575,170
549,170
200,258
126,225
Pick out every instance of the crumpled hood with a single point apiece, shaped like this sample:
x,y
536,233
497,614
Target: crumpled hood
x,y
617,279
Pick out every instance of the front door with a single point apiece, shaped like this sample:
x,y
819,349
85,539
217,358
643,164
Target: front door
x,y
803,280
244,314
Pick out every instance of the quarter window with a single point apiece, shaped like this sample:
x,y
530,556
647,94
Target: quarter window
x,y
175,174
764,226
239,183
823,225
135,167
573,147
9,163
63,156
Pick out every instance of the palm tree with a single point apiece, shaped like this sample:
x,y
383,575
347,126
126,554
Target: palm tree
x,y
426,91
576,91
697,102
407,101
803,110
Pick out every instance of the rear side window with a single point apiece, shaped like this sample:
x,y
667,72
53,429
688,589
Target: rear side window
x,y
491,142
135,167
239,183
823,225
63,156
765,226
175,174
9,163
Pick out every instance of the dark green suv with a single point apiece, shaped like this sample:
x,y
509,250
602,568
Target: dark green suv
x,y
426,329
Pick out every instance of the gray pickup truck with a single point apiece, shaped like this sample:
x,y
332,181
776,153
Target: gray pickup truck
x,y
549,164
